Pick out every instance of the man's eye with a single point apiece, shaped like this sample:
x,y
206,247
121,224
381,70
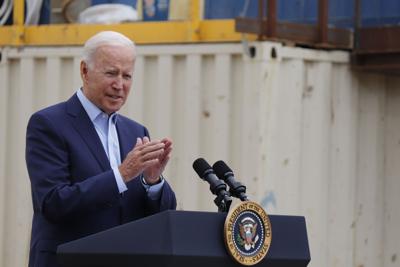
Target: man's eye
x,y
127,76
111,73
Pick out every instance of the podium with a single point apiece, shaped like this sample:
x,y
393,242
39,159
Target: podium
x,y
182,238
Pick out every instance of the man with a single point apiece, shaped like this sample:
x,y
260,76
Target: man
x,y
90,168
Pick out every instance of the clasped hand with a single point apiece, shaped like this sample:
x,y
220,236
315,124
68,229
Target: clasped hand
x,y
149,157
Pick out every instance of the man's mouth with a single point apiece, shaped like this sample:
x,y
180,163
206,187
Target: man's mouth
x,y
115,97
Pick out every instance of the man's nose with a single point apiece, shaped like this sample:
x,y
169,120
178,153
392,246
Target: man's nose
x,y
118,83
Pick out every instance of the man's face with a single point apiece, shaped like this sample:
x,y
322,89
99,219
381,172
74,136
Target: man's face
x,y
108,80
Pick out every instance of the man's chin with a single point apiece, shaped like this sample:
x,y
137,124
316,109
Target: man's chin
x,y
111,108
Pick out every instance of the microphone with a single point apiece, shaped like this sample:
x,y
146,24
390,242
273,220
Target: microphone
x,y
226,174
217,187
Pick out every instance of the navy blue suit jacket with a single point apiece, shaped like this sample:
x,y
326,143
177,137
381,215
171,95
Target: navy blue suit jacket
x,y
74,192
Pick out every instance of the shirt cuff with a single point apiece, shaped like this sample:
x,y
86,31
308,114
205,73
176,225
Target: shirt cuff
x,y
153,191
120,182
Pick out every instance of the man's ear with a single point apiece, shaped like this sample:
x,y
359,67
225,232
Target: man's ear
x,y
84,70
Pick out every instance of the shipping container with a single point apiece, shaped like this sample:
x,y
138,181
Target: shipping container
x,y
341,12
307,136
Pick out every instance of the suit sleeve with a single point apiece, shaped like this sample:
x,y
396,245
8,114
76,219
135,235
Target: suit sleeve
x,y
167,201
54,192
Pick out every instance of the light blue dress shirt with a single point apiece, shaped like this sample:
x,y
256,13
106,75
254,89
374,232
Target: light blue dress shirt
x,y
105,126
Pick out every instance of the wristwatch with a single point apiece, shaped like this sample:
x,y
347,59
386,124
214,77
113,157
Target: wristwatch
x,y
159,180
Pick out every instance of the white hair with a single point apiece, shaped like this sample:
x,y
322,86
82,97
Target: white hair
x,y
104,38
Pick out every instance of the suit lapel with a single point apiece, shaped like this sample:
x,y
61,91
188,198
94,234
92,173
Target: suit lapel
x,y
86,130
127,139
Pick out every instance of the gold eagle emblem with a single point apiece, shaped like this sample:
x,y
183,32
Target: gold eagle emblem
x,y
248,233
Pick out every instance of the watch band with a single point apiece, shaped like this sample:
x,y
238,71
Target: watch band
x,y
159,180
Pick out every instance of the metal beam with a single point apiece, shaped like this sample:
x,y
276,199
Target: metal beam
x,y
323,21
140,32
271,18
303,34
18,12
261,21
195,19
357,21
379,39
378,49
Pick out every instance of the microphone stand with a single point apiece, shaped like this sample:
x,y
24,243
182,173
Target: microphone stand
x,y
238,190
223,199
223,202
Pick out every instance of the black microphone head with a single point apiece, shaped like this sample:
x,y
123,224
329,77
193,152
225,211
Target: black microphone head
x,y
221,169
217,187
201,167
226,174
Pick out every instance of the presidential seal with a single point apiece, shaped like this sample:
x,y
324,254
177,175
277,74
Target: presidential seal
x,y
247,233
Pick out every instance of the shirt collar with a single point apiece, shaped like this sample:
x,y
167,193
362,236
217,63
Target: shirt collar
x,y
91,109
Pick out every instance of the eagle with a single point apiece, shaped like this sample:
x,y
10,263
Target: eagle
x,y
248,232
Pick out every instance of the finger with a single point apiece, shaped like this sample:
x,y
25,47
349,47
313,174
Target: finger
x,y
167,141
146,140
138,141
167,151
165,157
150,147
141,153
140,146
162,164
152,155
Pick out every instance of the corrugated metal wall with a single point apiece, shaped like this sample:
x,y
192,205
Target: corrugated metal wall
x,y
306,135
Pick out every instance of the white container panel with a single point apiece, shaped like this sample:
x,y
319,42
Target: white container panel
x,y
391,211
306,134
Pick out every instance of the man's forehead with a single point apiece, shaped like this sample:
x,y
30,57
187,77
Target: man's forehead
x,y
113,56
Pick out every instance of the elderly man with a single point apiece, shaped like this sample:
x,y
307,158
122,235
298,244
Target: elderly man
x,y
91,168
